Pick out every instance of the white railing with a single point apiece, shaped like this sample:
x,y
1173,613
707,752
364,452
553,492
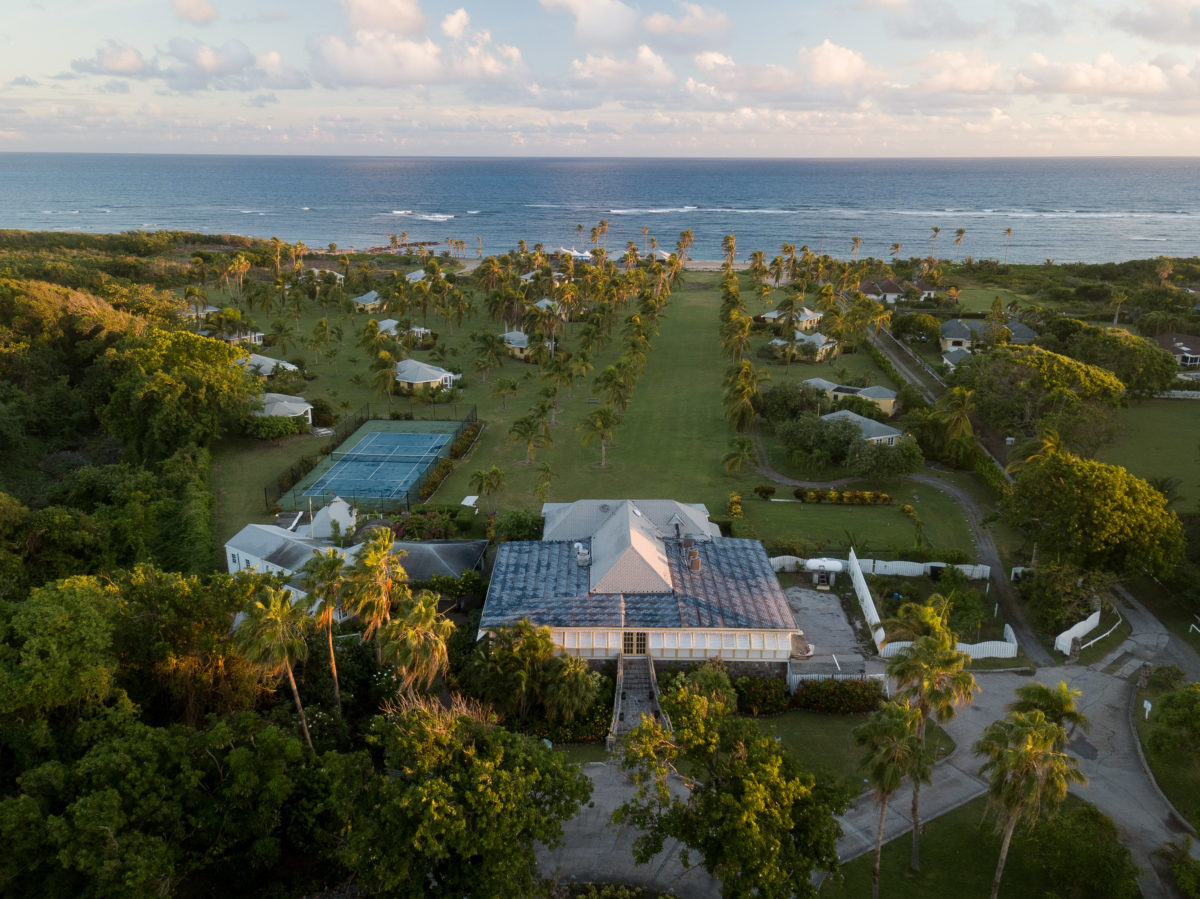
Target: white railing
x,y
900,568
1063,641
865,601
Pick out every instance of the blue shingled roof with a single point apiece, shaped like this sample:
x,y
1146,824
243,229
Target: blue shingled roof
x,y
542,581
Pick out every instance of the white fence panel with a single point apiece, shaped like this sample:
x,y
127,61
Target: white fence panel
x,y
1063,641
865,600
787,563
795,679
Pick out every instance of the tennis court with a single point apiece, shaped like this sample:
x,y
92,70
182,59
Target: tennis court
x,y
382,465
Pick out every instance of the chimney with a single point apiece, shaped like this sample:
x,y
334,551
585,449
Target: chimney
x,y
693,559
583,557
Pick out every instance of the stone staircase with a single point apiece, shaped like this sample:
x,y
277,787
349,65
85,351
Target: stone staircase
x,y
636,695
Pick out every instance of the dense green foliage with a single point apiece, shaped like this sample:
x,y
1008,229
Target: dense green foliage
x,y
740,775
1095,516
851,696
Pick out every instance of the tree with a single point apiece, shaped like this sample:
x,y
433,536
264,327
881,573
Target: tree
x,y
487,482
324,578
1028,776
468,800
1007,241
528,431
894,751
741,395
741,450
506,387
1058,704
415,642
737,775
1176,723
1095,516
933,243
958,239
600,425
1081,852
375,582
271,637
174,388
932,675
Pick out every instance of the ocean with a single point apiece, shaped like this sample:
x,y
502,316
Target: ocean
x,y
1068,210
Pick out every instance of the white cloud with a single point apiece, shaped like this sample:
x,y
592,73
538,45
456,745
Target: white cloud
x,y
454,26
397,16
113,59
1103,77
198,12
953,70
830,65
646,69
696,20
1170,21
376,59
710,60
599,22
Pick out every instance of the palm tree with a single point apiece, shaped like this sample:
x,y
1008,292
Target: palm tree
x,y
918,619
529,432
415,643
855,245
741,395
741,451
954,410
894,751
271,637
1038,450
1058,704
933,243
958,239
1007,241
374,582
896,250
932,675
1028,776
600,425
487,482
324,577
506,387
1119,298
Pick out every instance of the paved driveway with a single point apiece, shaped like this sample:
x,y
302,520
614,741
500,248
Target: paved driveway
x,y
834,641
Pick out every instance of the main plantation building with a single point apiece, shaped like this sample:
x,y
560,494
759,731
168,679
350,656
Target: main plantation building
x,y
645,577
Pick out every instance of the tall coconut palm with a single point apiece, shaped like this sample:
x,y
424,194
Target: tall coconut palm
x,y
324,578
919,619
954,410
600,425
528,432
415,643
932,674
729,245
933,242
1119,298
894,751
1028,775
506,387
374,582
896,250
1059,705
741,395
1007,241
271,637
958,239
855,246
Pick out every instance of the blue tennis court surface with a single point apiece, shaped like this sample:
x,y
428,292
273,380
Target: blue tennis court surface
x,y
381,465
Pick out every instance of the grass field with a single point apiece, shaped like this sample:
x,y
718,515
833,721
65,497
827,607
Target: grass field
x,y
669,445
959,851
1159,438
824,744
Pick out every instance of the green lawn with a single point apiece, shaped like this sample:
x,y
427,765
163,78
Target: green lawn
x,y
958,858
669,445
1158,439
1101,648
824,744
1177,773
979,299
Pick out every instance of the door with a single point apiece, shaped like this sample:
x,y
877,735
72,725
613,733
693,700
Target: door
x,y
633,643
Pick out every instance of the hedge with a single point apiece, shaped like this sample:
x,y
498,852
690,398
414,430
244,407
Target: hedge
x,y
591,727
761,695
839,697
987,469
440,472
842,497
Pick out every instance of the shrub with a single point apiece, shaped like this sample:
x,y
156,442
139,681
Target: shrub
x,y
839,697
440,472
764,491
1166,677
426,525
272,427
761,695
801,494
519,524
1080,852
734,507
465,440
743,529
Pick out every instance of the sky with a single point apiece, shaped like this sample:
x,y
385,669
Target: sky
x,y
755,78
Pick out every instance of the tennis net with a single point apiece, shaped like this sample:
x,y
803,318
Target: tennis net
x,y
407,458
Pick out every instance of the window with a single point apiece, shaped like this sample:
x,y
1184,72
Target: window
x,y
234,557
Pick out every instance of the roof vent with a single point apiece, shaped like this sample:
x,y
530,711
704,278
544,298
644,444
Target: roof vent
x,y
583,556
694,559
